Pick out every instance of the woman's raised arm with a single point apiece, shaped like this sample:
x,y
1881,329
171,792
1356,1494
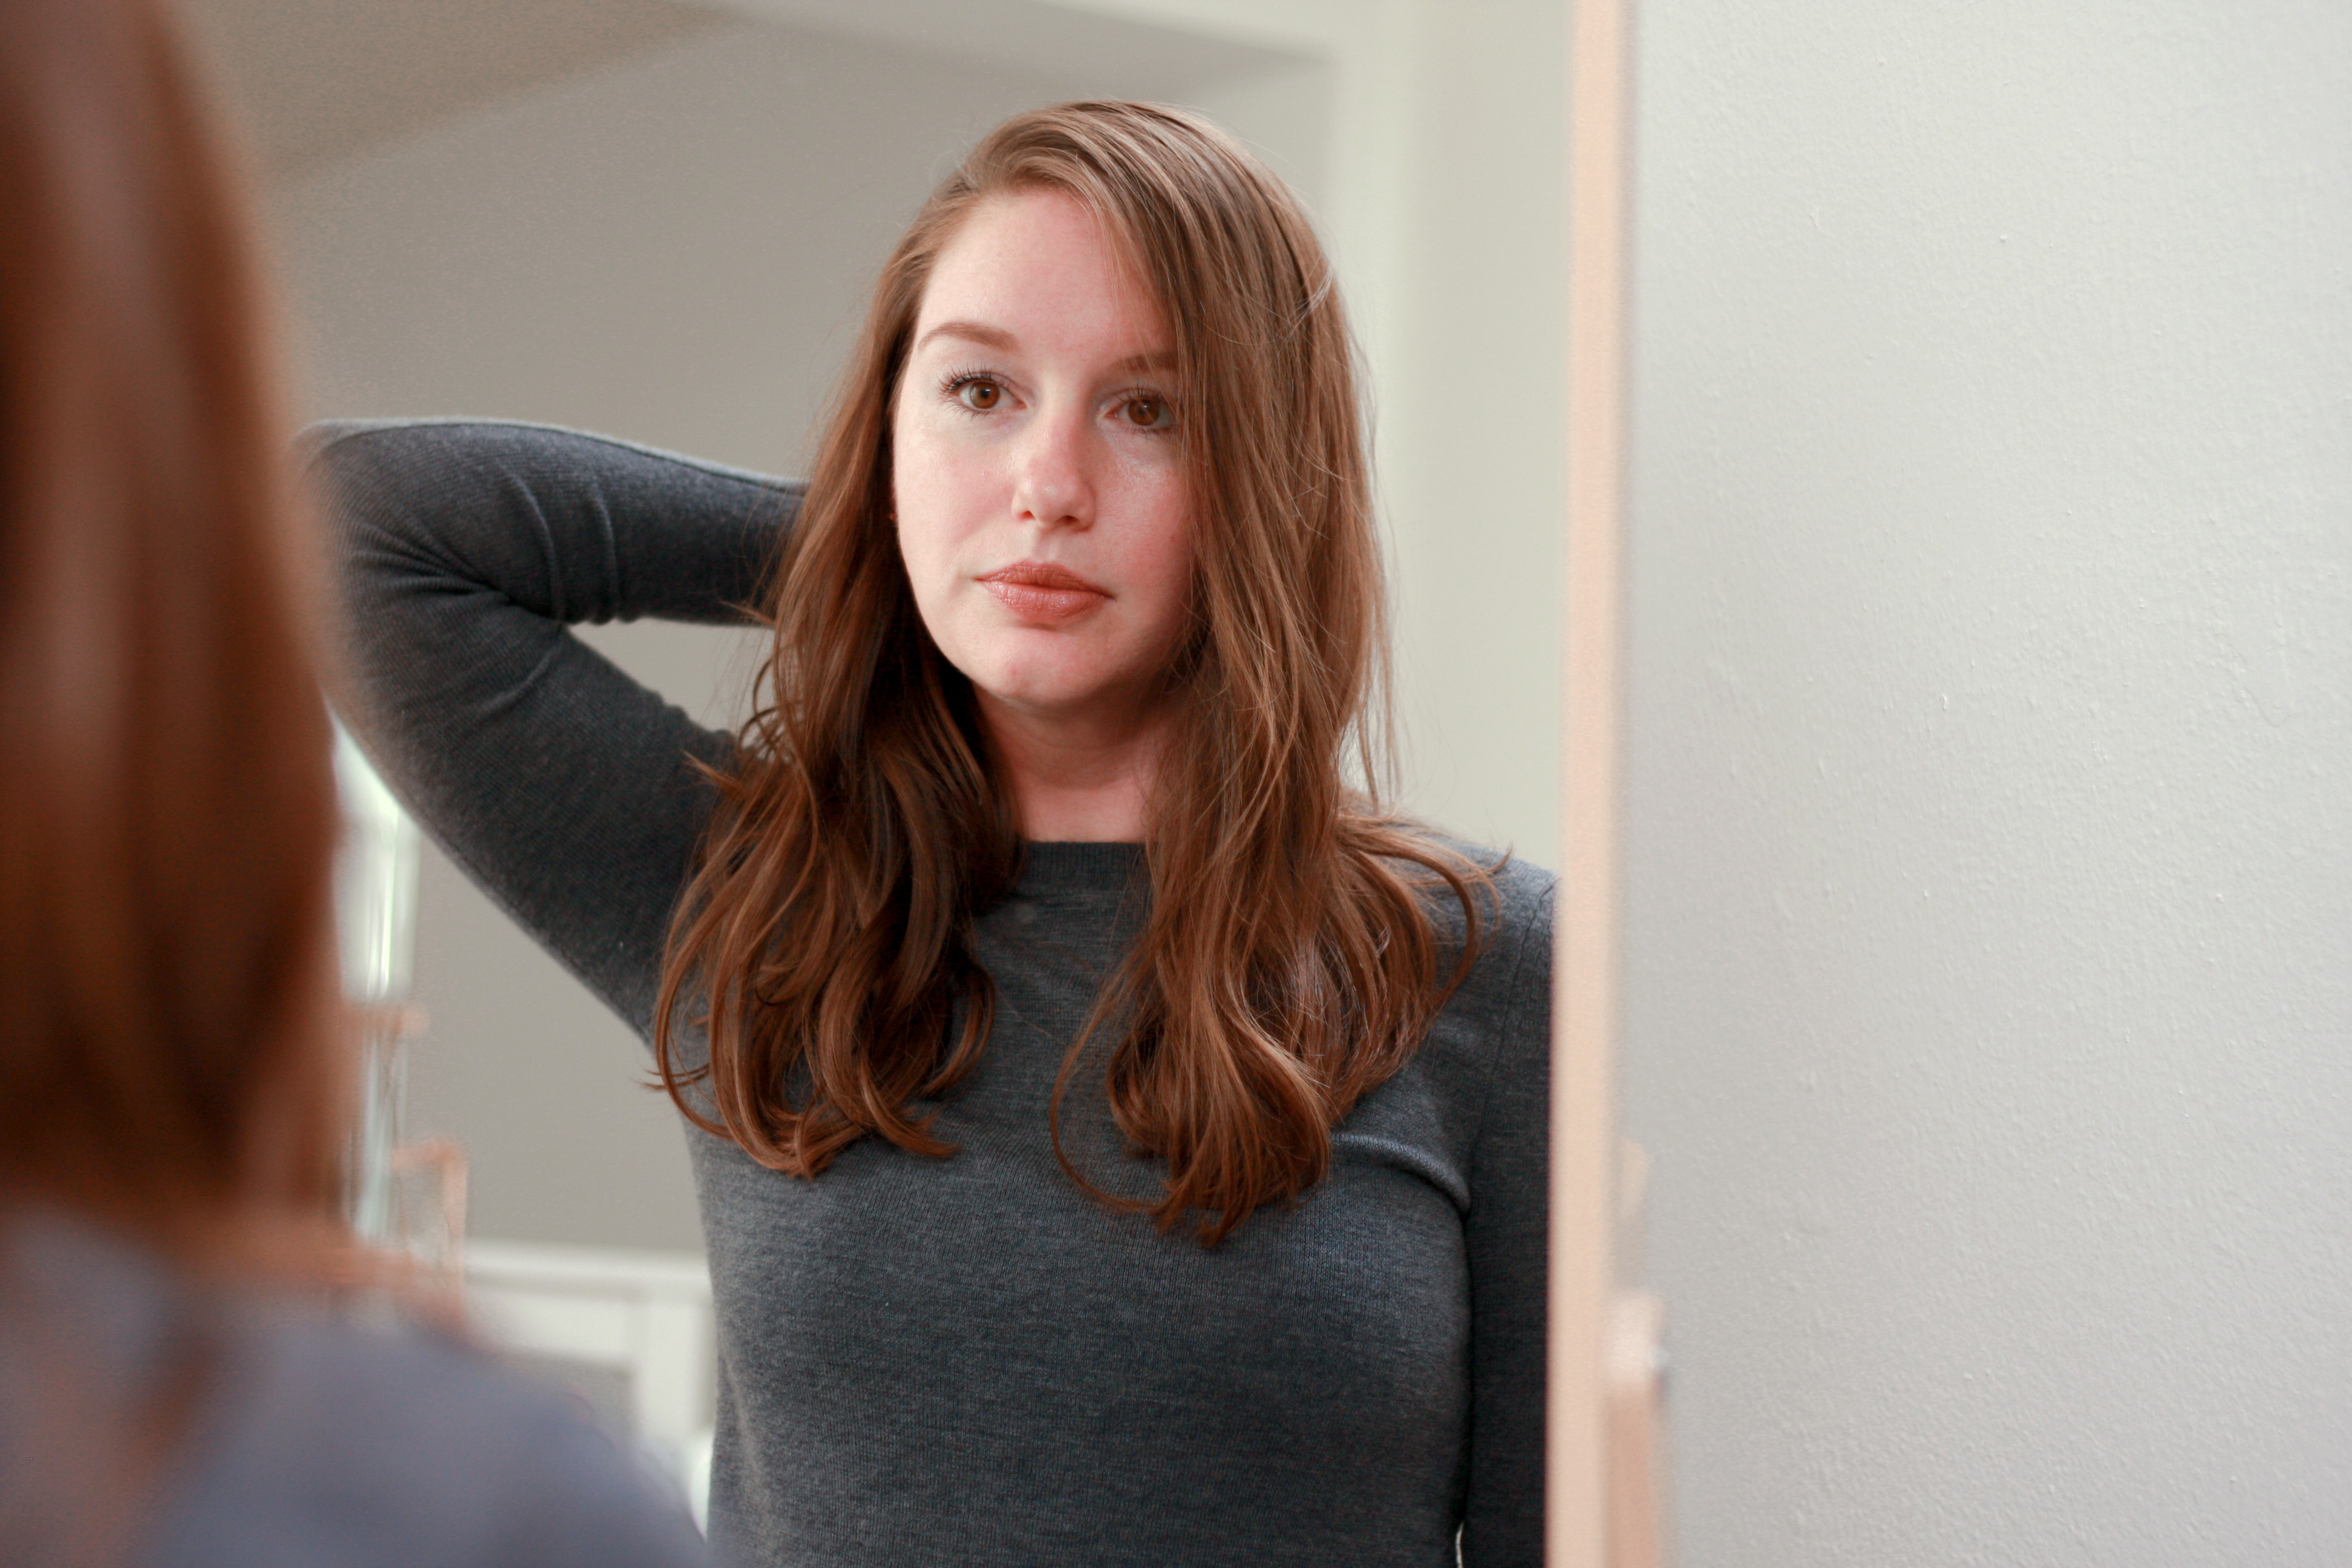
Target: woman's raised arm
x,y
464,552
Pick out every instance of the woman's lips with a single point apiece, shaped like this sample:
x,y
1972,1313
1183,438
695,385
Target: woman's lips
x,y
1043,593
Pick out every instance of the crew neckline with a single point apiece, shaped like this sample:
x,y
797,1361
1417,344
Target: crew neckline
x,y
1075,867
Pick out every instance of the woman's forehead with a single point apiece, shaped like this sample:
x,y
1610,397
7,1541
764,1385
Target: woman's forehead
x,y
1033,270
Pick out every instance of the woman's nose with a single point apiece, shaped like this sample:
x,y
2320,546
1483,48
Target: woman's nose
x,y
1052,485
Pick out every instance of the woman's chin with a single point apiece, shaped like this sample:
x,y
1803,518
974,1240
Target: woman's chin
x,y
1062,697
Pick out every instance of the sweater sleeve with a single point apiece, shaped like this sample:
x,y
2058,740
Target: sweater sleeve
x,y
1506,1234
464,551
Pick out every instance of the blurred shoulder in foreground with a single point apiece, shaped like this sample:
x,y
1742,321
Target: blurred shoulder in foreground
x,y
147,1421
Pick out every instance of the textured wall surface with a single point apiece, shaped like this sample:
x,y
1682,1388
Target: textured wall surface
x,y
1989,1002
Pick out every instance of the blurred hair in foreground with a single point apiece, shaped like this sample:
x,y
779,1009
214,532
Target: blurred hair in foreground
x,y
169,1042
173,1094
167,806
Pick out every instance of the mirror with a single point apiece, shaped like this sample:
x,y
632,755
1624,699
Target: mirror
x,y
659,219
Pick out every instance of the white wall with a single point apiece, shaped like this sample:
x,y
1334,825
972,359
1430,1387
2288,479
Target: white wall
x,y
1466,305
1989,1002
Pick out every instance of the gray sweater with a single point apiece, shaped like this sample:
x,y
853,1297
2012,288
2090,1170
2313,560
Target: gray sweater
x,y
963,1359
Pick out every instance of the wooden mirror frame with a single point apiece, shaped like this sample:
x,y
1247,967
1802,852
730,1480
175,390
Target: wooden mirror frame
x,y
1603,1442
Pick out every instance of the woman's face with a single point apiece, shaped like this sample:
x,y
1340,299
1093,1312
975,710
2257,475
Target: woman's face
x,y
1041,501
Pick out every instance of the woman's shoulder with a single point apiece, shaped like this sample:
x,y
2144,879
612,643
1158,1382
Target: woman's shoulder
x,y
1512,969
331,1442
1523,892
1483,1066
1501,1004
1511,897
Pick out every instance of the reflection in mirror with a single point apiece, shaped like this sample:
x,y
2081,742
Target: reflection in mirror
x,y
660,222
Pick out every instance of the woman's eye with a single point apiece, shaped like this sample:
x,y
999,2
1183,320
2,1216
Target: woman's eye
x,y
979,395
1148,414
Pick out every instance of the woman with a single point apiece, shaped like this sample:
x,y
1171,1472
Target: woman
x,y
1118,1141
172,1049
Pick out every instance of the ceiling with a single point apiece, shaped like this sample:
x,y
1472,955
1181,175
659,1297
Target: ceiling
x,y
312,82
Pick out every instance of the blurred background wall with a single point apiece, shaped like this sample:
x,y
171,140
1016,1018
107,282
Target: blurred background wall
x,y
1989,998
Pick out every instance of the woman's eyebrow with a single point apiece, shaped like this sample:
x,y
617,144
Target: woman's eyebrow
x,y
1155,359
1003,341
978,332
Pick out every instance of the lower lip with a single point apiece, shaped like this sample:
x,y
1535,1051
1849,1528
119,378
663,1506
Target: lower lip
x,y
1044,606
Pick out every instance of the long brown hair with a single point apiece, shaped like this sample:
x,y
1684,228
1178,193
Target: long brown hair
x,y
167,807
1287,964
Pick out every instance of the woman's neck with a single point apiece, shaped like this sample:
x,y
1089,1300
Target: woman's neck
x,y
1077,778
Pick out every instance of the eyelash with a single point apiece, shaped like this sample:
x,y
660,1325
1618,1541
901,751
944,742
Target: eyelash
x,y
955,381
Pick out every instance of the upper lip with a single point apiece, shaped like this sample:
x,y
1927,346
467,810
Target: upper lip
x,y
1044,574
